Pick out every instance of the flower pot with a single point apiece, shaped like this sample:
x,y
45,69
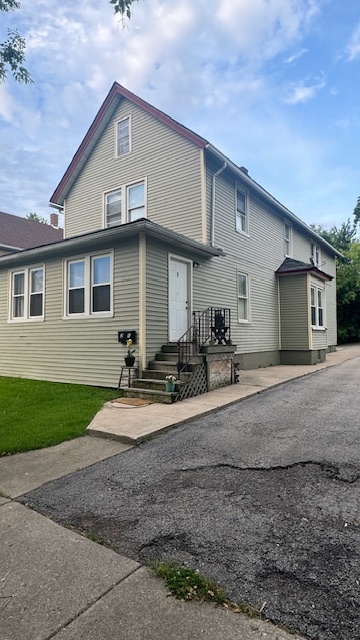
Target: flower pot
x,y
129,361
170,386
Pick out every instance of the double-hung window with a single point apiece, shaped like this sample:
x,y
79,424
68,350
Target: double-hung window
x,y
89,286
287,240
241,201
27,294
123,136
317,307
125,204
243,296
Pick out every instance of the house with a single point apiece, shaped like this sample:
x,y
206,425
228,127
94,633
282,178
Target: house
x,y
18,233
158,223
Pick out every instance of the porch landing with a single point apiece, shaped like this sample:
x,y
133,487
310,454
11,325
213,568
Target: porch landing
x,y
135,424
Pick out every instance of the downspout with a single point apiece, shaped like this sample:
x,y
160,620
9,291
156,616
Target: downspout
x,y
212,227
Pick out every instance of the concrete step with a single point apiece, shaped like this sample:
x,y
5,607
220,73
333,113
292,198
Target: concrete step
x,y
163,365
149,394
164,355
170,348
154,384
159,374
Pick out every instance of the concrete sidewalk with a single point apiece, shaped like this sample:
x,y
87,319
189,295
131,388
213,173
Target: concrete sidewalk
x,y
57,584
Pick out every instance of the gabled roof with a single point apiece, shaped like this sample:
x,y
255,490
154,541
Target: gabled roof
x,y
18,233
290,267
102,119
98,125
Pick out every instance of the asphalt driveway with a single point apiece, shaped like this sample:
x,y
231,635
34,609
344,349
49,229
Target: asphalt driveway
x,y
263,497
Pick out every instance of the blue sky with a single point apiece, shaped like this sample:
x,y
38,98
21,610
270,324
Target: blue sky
x,y
274,84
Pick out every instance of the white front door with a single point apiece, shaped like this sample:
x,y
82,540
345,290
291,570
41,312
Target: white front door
x,y
179,298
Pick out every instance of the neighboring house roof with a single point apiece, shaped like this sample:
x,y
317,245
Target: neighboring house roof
x,y
18,233
88,241
103,117
291,267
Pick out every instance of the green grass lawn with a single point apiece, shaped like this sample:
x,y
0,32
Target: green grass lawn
x,y
36,414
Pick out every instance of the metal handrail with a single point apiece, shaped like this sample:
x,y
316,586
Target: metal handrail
x,y
212,324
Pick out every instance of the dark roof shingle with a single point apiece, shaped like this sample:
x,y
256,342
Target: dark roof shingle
x,y
21,233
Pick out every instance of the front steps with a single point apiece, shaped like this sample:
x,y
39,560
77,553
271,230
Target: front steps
x,y
152,385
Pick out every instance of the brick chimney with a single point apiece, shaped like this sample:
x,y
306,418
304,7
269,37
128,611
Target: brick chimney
x,y
54,220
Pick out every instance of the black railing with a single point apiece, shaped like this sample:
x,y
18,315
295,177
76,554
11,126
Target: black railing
x,y
211,326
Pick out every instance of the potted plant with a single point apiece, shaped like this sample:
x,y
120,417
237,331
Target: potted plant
x,y
170,383
129,359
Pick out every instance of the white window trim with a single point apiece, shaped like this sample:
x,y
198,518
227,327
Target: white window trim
x,y
124,200
88,313
122,155
245,232
246,320
316,246
317,326
288,241
27,276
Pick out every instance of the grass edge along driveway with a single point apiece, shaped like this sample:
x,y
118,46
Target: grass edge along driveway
x,y
36,413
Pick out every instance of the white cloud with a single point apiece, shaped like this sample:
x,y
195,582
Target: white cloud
x,y
353,47
295,56
303,93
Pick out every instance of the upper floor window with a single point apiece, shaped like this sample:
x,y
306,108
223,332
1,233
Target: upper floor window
x,y
89,285
27,294
315,254
123,136
317,306
242,218
243,297
125,204
287,240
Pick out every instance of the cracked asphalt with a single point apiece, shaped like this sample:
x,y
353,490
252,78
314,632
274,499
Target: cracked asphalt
x,y
263,497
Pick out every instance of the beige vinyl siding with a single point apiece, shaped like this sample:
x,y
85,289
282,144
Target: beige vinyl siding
x,y
157,332
319,340
294,312
170,163
82,351
258,255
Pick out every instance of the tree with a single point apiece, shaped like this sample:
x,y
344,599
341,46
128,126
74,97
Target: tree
x,y
35,216
357,211
123,7
12,50
347,277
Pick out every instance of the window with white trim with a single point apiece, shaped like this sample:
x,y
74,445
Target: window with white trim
x,y
27,294
123,136
315,254
125,204
242,217
317,306
287,240
89,286
243,296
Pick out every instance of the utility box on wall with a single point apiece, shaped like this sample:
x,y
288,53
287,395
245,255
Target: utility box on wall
x,y
126,334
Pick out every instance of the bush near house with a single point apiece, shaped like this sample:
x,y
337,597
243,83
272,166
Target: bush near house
x,y
36,414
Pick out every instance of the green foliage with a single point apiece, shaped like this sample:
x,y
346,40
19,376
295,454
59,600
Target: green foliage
x,y
357,211
36,414
347,278
187,584
12,50
123,7
34,216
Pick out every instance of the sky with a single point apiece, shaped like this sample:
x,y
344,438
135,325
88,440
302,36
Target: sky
x,y
273,84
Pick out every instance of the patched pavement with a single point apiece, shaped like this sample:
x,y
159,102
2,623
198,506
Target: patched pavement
x,y
263,497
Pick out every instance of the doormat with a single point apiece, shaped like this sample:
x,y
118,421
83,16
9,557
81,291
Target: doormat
x,y
133,402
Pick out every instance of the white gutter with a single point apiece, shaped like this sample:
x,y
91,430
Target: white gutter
x,y
267,196
212,227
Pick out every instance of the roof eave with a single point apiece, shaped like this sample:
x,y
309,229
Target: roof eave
x,y
265,194
116,90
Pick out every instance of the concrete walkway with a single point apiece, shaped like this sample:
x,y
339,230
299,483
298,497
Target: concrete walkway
x,y
135,424
57,584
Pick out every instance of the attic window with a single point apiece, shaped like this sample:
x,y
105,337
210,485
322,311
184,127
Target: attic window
x,y
123,137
